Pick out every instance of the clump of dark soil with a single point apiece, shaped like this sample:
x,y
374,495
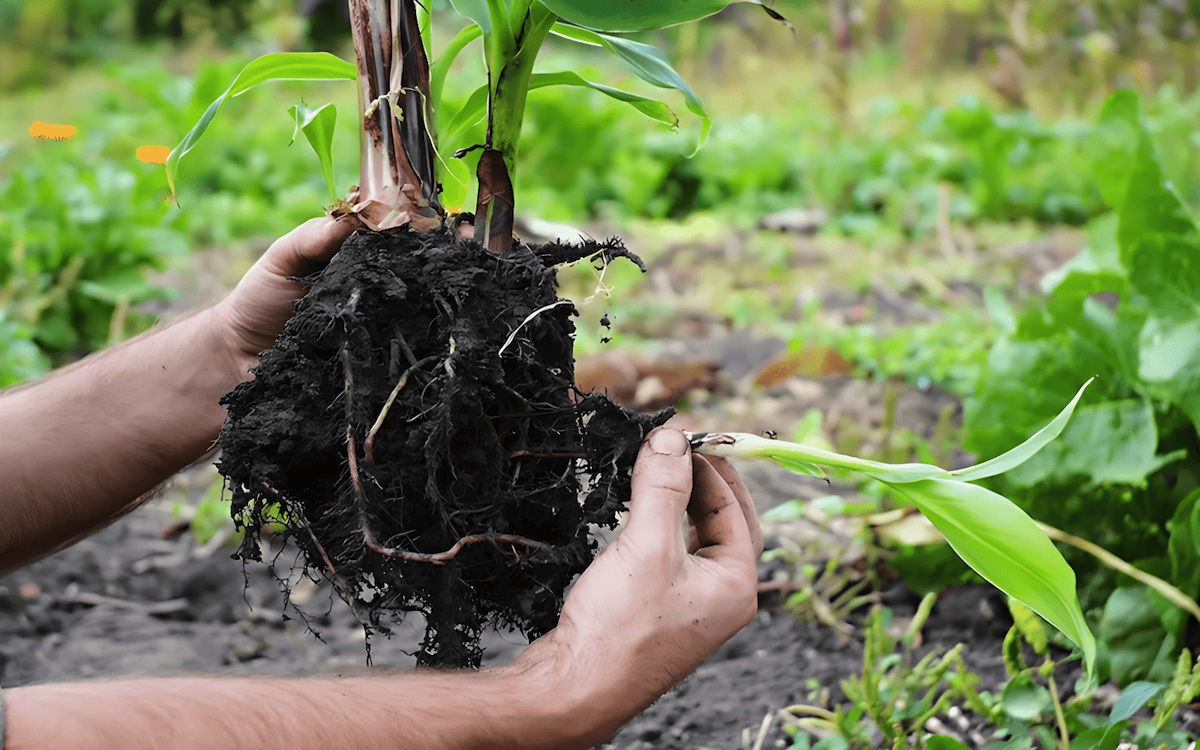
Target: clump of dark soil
x,y
416,430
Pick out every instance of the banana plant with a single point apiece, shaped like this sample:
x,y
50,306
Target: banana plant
x,y
401,169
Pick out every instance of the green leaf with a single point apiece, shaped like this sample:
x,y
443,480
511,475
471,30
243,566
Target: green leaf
x,y
605,15
1024,700
1138,645
651,108
471,113
647,63
1114,441
440,67
1183,546
1005,546
456,185
318,125
1134,696
942,742
1103,737
280,66
477,11
1024,451
802,467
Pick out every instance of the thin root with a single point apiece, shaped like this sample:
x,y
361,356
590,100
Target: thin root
x,y
369,444
437,558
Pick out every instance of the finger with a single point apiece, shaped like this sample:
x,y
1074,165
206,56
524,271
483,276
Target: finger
x,y
721,528
725,468
307,248
662,485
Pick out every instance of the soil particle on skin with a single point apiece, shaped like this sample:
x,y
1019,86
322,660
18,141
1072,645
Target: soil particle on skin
x,y
416,433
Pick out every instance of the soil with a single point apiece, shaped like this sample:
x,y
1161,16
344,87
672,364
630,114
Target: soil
x,y
413,432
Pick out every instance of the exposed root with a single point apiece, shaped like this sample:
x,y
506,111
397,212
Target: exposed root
x,y
438,558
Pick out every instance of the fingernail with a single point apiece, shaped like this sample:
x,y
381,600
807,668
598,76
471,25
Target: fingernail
x,y
667,442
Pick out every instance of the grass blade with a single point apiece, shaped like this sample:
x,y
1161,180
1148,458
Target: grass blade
x,y
318,125
1025,450
651,108
644,14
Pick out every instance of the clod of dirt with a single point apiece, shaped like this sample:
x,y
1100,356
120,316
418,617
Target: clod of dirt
x,y
417,432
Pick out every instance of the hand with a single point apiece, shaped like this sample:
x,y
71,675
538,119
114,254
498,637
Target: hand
x,y
653,606
253,314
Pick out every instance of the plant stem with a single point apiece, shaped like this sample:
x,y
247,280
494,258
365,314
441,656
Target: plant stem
x,y
506,110
1174,595
397,184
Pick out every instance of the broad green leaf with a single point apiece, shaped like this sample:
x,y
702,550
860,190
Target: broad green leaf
x,y
1138,645
633,15
647,63
1114,441
1183,546
1005,546
318,125
1024,700
1024,451
1112,146
651,108
1134,696
1103,737
280,66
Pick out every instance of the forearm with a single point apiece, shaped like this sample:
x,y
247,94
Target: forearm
x,y
85,443
424,709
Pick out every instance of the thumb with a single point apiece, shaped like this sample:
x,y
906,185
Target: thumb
x,y
662,487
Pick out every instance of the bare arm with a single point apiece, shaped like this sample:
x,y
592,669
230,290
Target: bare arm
x,y
80,447
648,610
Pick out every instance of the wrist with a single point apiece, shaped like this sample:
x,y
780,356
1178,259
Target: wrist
x,y
234,352
571,699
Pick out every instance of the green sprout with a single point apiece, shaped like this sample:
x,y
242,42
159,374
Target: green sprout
x,y
991,534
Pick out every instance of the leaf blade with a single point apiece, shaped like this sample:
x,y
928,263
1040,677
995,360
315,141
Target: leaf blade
x,y
318,126
651,108
278,66
647,63
605,15
1005,546
1023,452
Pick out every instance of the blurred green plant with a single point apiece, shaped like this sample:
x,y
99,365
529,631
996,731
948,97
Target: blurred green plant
x,y
903,701
79,243
1125,473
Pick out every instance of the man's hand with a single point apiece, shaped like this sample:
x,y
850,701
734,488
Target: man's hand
x,y
654,604
253,314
